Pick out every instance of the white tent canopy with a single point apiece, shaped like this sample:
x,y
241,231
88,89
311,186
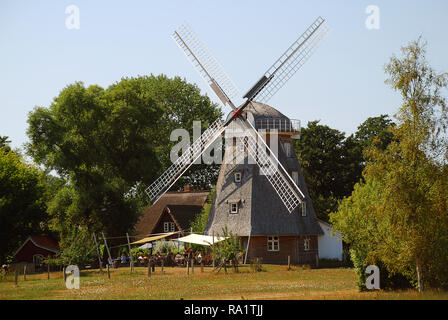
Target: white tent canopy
x,y
200,239
146,246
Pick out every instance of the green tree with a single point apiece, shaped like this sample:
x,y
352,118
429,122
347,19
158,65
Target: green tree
x,y
22,202
4,143
77,248
227,250
375,127
200,221
332,164
416,178
181,104
108,144
398,215
374,131
320,152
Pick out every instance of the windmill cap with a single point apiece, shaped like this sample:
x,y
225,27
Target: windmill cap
x,y
265,117
262,111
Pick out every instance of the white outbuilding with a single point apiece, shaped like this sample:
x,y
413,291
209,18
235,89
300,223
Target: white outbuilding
x,y
330,243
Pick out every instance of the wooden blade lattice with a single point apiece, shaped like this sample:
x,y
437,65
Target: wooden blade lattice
x,y
159,187
289,62
271,167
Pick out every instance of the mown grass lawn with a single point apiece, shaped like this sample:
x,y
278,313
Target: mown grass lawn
x,y
276,282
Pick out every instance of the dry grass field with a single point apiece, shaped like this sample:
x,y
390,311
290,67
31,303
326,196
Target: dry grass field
x,y
275,282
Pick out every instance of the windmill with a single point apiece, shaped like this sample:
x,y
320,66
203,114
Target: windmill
x,y
263,90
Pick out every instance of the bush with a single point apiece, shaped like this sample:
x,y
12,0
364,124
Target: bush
x,y
359,262
255,265
388,281
136,252
164,246
78,248
228,249
200,221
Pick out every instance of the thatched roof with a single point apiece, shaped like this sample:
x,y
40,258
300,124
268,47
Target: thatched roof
x,y
184,214
180,203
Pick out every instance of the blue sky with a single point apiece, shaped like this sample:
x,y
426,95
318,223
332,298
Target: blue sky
x,y
342,84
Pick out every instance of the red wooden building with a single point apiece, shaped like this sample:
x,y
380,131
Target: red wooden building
x,y
34,250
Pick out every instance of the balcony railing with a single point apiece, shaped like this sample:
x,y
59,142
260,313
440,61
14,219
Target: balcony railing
x,y
279,124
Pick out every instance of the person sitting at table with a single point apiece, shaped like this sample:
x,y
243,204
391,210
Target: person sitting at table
x,y
124,258
145,260
178,259
170,259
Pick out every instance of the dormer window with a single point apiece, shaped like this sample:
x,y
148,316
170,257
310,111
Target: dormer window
x,y
237,177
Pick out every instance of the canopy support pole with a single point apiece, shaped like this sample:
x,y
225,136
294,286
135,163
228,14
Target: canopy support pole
x,y
247,249
108,252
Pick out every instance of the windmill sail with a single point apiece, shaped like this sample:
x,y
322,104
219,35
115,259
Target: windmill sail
x,y
159,187
212,72
271,167
288,63
206,64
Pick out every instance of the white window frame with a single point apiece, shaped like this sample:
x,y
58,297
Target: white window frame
x,y
306,244
231,208
168,227
303,206
239,175
287,146
273,241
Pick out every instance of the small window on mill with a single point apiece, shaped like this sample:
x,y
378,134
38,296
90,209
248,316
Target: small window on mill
x,y
303,206
287,146
273,243
237,177
234,208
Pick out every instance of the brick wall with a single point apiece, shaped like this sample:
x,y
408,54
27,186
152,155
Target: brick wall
x,y
292,246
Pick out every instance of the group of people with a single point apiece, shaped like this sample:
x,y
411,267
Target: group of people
x,y
169,259
124,259
189,255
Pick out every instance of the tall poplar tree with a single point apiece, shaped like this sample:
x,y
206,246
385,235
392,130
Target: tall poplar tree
x,y
397,217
